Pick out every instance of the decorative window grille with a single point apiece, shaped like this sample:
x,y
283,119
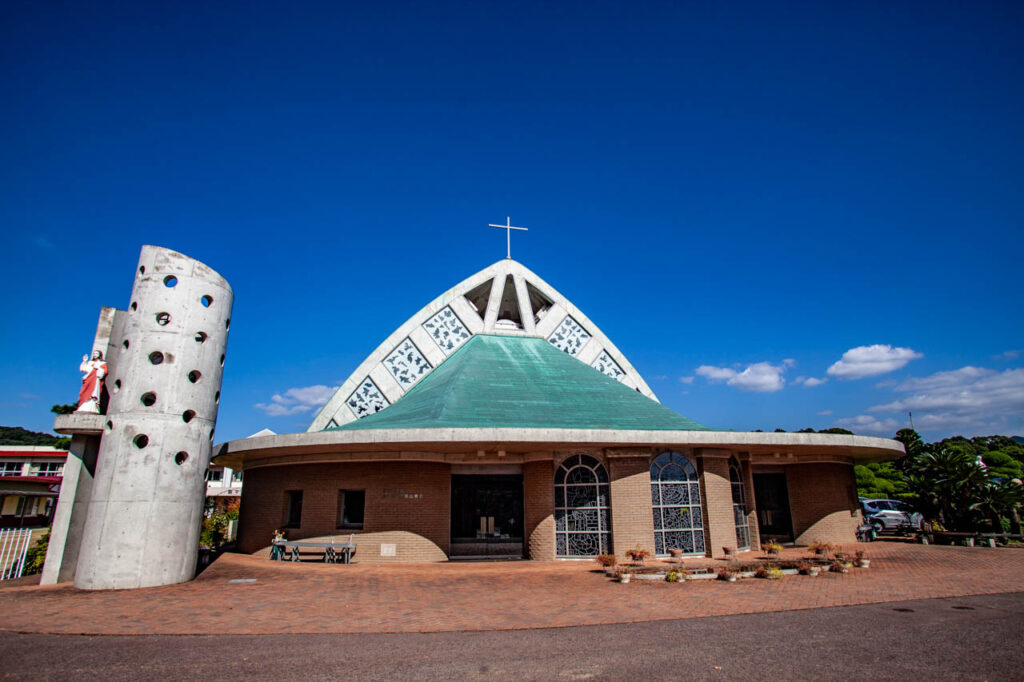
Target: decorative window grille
x,y
582,508
739,504
675,501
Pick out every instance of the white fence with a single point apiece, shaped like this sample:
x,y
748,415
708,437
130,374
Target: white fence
x,y
14,544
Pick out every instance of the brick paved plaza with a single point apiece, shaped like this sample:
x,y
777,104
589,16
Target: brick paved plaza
x,y
315,598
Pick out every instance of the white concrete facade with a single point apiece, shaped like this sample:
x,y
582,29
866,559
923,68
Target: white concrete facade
x,y
145,508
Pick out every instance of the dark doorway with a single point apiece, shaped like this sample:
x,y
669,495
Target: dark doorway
x,y
771,495
487,516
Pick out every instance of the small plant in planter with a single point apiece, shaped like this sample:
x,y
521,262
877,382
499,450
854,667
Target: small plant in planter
x,y
821,549
608,561
839,566
622,574
771,548
807,568
727,575
768,572
860,559
676,576
675,552
637,555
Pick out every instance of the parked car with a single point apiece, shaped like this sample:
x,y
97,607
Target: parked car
x,y
890,516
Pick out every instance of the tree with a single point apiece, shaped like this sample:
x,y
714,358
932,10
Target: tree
x,y
63,409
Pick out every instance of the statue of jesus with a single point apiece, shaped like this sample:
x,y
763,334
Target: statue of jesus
x,y
93,371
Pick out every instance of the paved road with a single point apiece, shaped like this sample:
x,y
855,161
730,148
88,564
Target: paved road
x,y
936,639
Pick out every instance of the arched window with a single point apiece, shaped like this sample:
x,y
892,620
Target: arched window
x,y
675,499
739,504
582,514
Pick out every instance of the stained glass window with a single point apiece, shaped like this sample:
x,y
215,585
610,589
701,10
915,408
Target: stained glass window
x,y
675,502
582,508
739,504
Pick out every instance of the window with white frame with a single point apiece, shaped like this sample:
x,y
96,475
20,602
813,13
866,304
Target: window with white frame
x,y
582,508
47,468
10,468
739,504
675,502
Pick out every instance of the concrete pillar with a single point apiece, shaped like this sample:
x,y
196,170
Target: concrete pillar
x,y
72,505
539,510
716,491
144,516
823,502
632,521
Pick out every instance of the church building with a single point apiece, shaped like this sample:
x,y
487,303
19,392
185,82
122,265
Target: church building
x,y
499,421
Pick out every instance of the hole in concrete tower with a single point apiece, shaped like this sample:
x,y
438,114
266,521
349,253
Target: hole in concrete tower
x,y
188,415
141,440
142,269
195,375
163,319
170,281
227,324
211,433
148,399
200,337
206,300
110,426
124,345
216,397
117,385
156,357
181,458
221,359
135,306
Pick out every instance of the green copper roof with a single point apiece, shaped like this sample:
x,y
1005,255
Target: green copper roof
x,y
518,382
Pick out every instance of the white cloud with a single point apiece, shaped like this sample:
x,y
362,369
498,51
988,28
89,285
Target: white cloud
x,y
760,377
973,400
799,380
867,423
824,413
867,361
297,400
789,362
1007,355
686,380
811,382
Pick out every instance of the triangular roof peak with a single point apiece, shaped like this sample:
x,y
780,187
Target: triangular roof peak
x,y
504,298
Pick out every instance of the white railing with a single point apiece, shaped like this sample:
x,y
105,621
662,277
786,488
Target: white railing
x,y
14,544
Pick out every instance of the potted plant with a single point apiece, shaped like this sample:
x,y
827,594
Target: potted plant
x,y
771,548
860,559
821,548
840,566
637,555
675,552
676,576
622,574
608,561
727,575
807,568
729,551
768,572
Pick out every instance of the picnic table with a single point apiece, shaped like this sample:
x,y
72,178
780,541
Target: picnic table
x,y
333,550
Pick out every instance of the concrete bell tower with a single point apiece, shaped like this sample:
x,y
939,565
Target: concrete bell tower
x,y
144,512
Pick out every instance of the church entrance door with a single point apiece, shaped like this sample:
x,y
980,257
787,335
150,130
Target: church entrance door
x,y
771,495
487,516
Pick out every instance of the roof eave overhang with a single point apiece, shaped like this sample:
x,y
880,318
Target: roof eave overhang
x,y
235,454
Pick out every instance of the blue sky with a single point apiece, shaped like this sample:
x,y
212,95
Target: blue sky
x,y
737,193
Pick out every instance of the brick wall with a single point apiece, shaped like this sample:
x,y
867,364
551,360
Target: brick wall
x,y
539,510
716,491
632,522
823,502
414,497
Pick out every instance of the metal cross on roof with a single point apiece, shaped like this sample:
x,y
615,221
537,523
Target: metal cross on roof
x,y
508,234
